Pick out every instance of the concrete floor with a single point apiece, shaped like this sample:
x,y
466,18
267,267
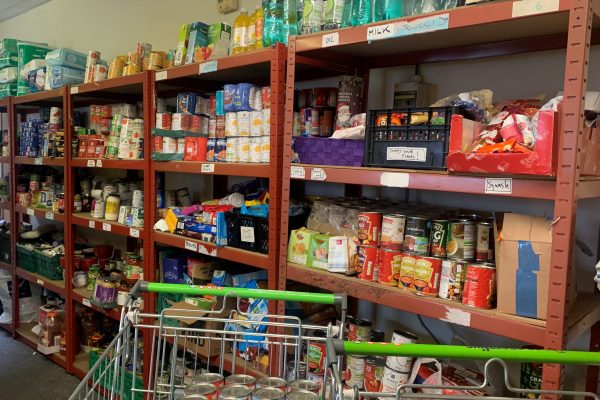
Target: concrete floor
x,y
26,375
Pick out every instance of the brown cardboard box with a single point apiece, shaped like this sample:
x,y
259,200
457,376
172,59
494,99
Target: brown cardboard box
x,y
523,250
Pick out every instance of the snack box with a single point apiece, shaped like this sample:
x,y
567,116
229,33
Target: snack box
x,y
299,244
67,58
198,39
182,44
318,251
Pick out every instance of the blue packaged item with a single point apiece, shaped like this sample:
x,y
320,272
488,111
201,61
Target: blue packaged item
x,y
221,234
58,76
197,227
186,103
243,280
67,58
219,109
173,268
229,96
221,278
261,210
244,94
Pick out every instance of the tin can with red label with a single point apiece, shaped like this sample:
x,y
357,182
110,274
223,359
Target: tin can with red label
x,y
158,144
368,257
406,277
373,374
390,266
427,275
392,231
484,246
369,227
480,286
402,364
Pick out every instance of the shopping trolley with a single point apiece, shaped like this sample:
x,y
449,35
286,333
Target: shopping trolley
x,y
224,332
337,348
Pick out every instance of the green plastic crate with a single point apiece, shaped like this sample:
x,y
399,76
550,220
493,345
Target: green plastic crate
x,y
49,266
127,385
26,259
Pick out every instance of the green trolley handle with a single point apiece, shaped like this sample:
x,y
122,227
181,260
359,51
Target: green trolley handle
x,y
174,288
464,352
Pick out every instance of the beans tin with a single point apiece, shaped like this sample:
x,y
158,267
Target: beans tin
x,y
480,286
461,241
392,379
392,231
407,271
315,360
439,237
304,384
373,375
241,379
271,381
417,235
390,266
355,371
235,392
452,279
368,257
268,393
359,330
484,246
369,227
403,364
302,395
427,276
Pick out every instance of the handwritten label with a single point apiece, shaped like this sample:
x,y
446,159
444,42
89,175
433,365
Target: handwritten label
x,y
90,163
210,66
416,154
380,32
106,227
49,215
395,179
457,316
161,75
193,246
318,174
297,172
92,224
247,234
207,168
38,161
531,7
30,211
74,90
134,232
422,25
40,282
87,303
331,39
98,163
498,185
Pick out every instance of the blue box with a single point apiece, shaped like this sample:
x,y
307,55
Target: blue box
x,y
186,103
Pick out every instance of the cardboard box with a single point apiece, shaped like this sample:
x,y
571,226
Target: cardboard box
x,y
523,251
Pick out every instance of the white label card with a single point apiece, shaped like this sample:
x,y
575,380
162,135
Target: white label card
x,y
134,232
87,303
161,75
193,246
49,215
92,224
498,185
38,161
531,7
247,234
208,168
98,163
331,39
106,227
209,66
422,25
395,179
40,282
297,172
91,163
30,211
318,174
380,32
74,90
417,154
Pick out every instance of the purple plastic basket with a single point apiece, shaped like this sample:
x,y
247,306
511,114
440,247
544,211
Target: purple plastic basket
x,y
326,151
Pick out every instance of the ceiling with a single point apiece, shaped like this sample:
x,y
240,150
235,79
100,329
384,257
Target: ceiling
x,y
12,8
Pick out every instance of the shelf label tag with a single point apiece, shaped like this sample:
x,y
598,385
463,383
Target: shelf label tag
x,y
49,215
395,179
381,32
247,234
38,161
98,163
203,250
193,246
74,89
90,163
530,7
206,67
106,227
134,232
40,282
422,25
297,172
457,316
161,75
416,154
318,174
92,224
87,303
30,211
208,168
331,39
498,185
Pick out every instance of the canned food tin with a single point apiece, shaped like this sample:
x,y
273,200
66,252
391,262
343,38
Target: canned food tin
x,y
316,378
295,370
480,286
461,241
374,367
241,379
403,364
355,371
304,384
367,260
212,378
417,235
268,393
204,389
302,395
406,277
194,397
439,237
369,227
235,392
98,209
271,381
484,247
392,379
427,276
315,360
452,279
392,231
390,266
359,330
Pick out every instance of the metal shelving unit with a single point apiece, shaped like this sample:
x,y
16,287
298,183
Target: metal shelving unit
x,y
490,29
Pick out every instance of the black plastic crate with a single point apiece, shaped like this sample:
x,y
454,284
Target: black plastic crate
x,y
416,138
247,232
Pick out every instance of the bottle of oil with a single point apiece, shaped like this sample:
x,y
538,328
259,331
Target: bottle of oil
x,y
259,21
240,35
251,33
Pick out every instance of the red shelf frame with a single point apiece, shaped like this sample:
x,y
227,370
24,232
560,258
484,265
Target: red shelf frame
x,y
37,279
214,168
55,162
111,164
83,298
83,219
40,213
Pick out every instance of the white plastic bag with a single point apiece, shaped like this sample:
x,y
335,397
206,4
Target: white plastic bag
x,y
433,379
29,302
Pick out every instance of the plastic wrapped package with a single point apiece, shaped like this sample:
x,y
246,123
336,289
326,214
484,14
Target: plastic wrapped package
x,y
8,75
476,105
67,58
59,76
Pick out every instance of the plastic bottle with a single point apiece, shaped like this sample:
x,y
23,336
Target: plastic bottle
x,y
251,34
290,13
362,12
387,9
333,14
240,32
259,21
347,14
273,31
311,18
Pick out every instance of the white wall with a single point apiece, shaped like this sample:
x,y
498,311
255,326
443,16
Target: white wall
x,y
113,26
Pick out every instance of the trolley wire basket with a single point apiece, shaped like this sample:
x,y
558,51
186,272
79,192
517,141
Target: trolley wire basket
x,y
229,339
